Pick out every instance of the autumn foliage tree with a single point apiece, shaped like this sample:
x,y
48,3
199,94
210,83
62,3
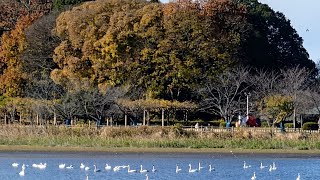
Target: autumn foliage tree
x,y
13,44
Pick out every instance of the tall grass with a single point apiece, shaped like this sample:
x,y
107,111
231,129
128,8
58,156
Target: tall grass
x,y
151,137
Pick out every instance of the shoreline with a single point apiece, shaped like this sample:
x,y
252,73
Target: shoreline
x,y
119,150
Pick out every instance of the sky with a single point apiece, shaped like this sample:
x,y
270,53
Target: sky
x,y
304,15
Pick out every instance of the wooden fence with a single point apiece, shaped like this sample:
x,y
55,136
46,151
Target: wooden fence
x,y
252,129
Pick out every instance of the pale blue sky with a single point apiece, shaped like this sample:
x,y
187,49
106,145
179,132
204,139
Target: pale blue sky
x,y
303,14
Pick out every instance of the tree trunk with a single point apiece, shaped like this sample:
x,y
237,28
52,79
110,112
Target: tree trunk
x,y
54,118
148,118
20,118
144,117
37,118
125,119
5,118
162,118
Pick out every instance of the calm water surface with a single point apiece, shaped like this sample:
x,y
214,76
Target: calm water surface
x,y
227,166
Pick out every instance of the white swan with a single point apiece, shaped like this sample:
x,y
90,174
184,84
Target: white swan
x,y
34,165
177,168
42,166
274,166
143,170
82,166
116,168
211,168
262,166
131,170
254,176
192,170
96,169
87,168
298,177
107,167
62,166
21,173
15,164
200,167
70,167
245,166
154,169
270,168
87,177
147,177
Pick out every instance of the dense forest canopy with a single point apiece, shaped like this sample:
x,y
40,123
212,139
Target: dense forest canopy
x,y
161,51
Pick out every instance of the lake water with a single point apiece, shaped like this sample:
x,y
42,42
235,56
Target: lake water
x,y
227,166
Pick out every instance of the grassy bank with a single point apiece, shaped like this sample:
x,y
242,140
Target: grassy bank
x,y
151,138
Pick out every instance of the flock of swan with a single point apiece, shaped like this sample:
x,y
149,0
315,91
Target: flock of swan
x,y
109,168
272,167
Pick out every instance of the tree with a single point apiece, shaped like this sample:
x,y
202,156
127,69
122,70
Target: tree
x,y
12,77
273,43
223,95
294,82
12,10
277,108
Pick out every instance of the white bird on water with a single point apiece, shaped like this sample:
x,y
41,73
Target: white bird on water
x,y
245,166
298,177
70,167
131,170
274,166
200,167
147,177
270,168
143,170
153,169
262,166
107,167
116,168
211,168
192,170
42,166
15,164
21,173
96,169
82,166
62,166
177,168
254,176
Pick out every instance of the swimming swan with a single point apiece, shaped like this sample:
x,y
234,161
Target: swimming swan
x,y
254,176
143,170
192,170
62,166
96,169
153,169
211,168
177,168
107,167
131,170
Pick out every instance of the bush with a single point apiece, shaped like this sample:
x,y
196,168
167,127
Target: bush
x,y
222,124
288,125
310,126
264,124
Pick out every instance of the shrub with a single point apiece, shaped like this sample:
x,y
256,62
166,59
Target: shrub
x,y
310,126
288,125
222,124
264,124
